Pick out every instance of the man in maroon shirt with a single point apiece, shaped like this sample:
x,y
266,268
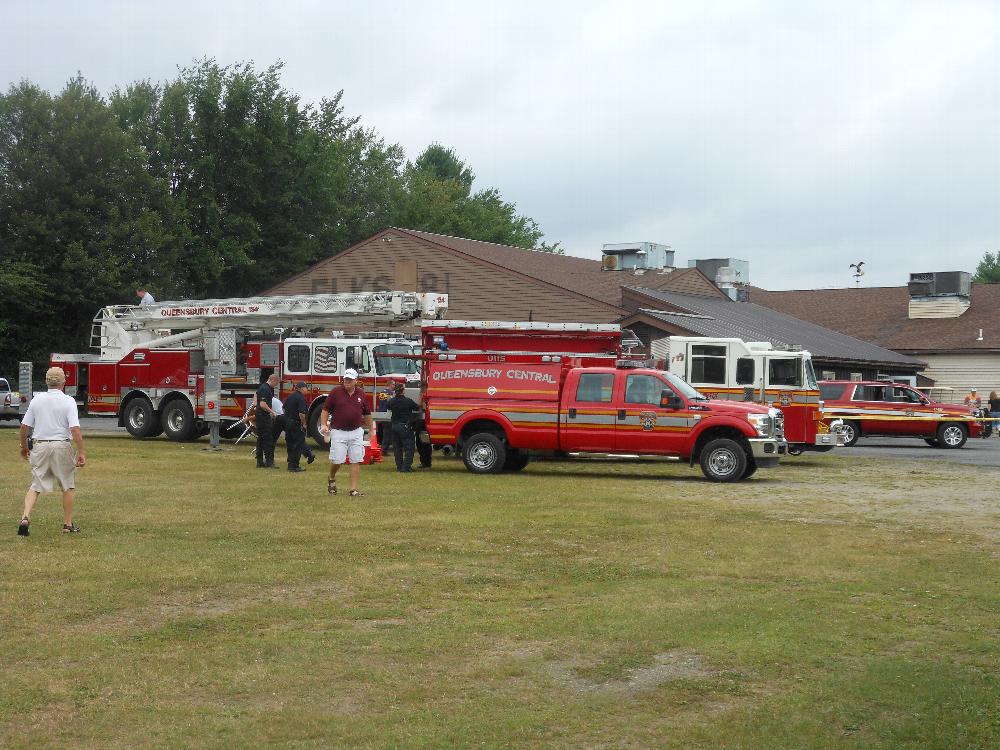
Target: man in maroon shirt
x,y
350,412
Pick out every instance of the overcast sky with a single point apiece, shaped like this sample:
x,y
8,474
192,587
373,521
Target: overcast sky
x,y
799,136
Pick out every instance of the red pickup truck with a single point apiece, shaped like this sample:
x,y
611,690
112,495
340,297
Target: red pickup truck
x,y
883,409
501,392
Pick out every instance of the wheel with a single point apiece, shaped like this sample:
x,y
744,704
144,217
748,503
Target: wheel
x,y
140,418
484,453
723,460
952,435
178,420
851,431
515,460
794,450
932,442
751,468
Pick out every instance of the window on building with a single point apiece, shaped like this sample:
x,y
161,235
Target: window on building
x,y
829,375
297,358
595,387
708,364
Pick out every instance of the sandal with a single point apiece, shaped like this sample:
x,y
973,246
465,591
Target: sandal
x,y
331,486
70,528
356,493
22,528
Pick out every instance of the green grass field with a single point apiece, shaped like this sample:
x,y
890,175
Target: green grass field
x,y
828,603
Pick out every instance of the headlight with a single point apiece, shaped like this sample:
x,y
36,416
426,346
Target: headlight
x,y
762,423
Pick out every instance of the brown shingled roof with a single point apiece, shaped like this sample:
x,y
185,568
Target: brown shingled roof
x,y
579,275
881,315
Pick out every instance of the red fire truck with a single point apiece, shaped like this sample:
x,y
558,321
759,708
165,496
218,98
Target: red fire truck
x,y
501,392
737,370
180,367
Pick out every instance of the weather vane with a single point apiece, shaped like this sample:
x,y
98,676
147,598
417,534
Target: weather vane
x,y
858,272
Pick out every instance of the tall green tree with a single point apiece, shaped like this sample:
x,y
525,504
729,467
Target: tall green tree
x,y
438,198
79,214
988,270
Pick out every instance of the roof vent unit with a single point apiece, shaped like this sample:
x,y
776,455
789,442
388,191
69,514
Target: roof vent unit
x,y
632,256
727,273
944,294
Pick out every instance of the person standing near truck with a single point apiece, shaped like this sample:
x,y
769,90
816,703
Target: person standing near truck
x,y
264,416
54,422
995,412
296,410
350,413
404,411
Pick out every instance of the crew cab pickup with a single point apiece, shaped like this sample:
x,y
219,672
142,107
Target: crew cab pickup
x,y
883,409
501,405
10,401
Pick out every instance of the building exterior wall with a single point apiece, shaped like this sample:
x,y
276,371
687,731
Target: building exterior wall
x,y
962,371
477,291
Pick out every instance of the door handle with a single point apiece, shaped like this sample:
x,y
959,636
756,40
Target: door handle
x,y
621,414
572,413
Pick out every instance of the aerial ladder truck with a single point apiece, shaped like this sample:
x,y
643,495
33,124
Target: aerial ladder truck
x,y
183,367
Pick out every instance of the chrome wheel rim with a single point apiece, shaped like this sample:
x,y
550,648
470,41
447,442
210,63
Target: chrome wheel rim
x,y
137,418
175,420
482,456
722,462
952,435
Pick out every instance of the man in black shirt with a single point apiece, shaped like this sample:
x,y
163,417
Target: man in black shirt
x,y
403,411
263,414
296,410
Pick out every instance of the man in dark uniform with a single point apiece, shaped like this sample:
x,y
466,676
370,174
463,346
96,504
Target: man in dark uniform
x,y
403,411
296,410
263,414
425,450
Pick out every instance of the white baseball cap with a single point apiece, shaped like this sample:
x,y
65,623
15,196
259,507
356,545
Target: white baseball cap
x,y
350,374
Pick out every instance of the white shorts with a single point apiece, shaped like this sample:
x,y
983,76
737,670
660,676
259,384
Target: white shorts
x,y
346,444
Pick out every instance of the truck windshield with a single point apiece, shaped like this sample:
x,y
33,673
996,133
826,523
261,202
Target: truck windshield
x,y
811,381
397,363
687,391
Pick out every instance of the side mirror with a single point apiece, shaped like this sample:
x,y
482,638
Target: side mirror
x,y
670,400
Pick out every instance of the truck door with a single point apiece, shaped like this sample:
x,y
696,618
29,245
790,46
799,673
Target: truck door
x,y
644,425
588,417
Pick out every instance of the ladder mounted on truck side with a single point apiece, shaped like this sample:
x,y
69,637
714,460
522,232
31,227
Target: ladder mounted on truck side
x,y
120,329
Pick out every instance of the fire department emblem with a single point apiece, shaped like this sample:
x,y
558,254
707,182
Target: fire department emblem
x,y
648,420
785,399
492,390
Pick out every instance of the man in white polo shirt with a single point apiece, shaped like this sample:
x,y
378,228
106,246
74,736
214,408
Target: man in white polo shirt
x,y
52,417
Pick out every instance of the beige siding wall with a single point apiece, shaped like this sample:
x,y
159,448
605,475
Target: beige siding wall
x,y
476,291
962,371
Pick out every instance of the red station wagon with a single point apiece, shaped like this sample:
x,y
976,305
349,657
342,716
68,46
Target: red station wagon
x,y
879,408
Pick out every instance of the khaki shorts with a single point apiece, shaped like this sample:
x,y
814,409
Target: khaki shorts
x,y
50,463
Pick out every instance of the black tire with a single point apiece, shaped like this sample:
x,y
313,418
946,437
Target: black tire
x,y
794,449
314,427
932,442
177,420
140,418
751,468
851,431
484,453
515,460
723,460
952,435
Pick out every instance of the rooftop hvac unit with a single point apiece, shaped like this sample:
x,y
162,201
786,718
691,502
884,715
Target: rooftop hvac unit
x,y
610,263
948,283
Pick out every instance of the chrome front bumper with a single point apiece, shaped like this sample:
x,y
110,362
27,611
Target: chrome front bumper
x,y
834,437
767,452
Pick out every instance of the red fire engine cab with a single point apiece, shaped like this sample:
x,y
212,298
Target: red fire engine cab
x,y
181,367
500,392
737,370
